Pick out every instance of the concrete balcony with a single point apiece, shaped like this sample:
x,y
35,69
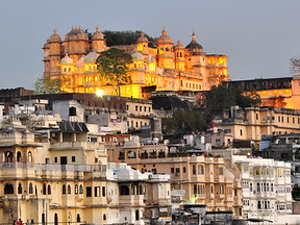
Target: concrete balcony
x,y
131,200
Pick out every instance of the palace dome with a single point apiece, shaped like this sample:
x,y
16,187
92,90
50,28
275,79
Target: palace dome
x,y
90,58
76,34
55,37
46,45
137,56
164,38
193,46
179,45
66,60
97,35
142,38
150,59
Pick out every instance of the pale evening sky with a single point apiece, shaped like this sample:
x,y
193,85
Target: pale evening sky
x,y
259,37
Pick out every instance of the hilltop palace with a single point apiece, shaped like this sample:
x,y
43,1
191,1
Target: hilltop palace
x,y
166,67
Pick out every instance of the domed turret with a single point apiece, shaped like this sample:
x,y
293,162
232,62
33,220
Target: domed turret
x,y
142,38
90,58
179,45
76,34
137,56
150,59
97,35
55,37
164,38
66,60
193,46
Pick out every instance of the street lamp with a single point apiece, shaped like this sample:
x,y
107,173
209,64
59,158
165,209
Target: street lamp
x,y
99,93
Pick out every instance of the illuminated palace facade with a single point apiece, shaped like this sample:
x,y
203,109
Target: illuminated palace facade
x,y
163,68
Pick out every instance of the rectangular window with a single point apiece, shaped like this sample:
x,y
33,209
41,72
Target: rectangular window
x,y
103,191
172,170
88,191
127,107
97,191
145,109
177,170
184,169
55,159
136,108
73,158
241,132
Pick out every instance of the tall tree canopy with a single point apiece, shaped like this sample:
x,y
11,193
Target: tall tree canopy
x,y
47,85
112,65
220,98
124,37
183,121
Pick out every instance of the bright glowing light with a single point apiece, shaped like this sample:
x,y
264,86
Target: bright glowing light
x,y
99,93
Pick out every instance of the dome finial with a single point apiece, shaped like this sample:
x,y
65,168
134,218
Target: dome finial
x,y
164,32
193,36
179,42
97,28
54,31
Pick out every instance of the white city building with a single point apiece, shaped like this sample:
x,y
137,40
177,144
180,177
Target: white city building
x,y
266,187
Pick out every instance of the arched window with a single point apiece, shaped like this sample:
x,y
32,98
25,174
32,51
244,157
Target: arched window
x,y
19,157
137,215
49,189
55,219
104,217
44,189
80,189
9,156
76,190
64,189
69,69
78,218
30,188
69,189
141,189
65,69
29,157
124,190
194,169
20,188
8,189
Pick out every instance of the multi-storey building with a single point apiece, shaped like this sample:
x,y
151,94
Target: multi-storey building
x,y
276,92
59,173
250,124
266,188
200,179
165,67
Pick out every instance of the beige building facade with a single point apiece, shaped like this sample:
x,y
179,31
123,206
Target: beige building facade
x,y
254,122
201,179
60,174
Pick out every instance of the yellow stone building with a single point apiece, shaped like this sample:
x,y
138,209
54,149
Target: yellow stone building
x,y
59,173
212,181
168,66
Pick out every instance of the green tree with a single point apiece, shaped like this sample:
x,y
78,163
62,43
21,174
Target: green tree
x,y
112,65
296,192
47,85
125,37
183,121
220,98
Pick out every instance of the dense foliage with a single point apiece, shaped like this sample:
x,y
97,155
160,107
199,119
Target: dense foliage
x,y
112,66
182,122
220,98
46,85
124,37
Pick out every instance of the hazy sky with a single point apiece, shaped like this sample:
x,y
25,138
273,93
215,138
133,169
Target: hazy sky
x,y
259,37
